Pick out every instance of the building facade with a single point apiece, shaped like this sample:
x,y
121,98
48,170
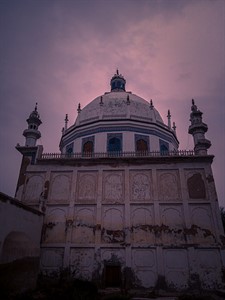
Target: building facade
x,y
122,204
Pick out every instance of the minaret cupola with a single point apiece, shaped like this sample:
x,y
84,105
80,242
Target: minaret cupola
x,y
198,130
118,83
32,134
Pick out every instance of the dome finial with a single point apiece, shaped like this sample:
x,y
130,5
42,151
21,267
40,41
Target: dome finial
x,y
193,107
118,82
169,119
151,104
36,106
66,121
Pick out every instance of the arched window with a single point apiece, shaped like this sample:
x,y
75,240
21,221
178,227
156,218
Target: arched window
x,y
141,145
88,148
69,149
164,150
114,144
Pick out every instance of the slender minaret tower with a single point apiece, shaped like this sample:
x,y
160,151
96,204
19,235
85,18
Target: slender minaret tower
x,y
29,151
32,134
198,130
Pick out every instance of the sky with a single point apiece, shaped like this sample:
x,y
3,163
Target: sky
x,y
63,52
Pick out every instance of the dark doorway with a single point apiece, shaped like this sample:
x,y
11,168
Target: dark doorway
x,y
112,276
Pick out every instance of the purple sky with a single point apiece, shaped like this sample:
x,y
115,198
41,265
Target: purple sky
x,y
60,53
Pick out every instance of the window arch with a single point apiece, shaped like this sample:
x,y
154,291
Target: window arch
x,y
88,147
69,149
114,144
141,145
164,147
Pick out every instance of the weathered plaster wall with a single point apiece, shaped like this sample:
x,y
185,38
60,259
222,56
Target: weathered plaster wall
x,y
158,222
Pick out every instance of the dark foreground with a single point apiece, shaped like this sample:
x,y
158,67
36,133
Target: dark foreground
x,y
84,290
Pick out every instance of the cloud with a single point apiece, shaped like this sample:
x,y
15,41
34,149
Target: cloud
x,y
60,53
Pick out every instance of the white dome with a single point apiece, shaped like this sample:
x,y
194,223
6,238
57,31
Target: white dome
x,y
121,119
119,105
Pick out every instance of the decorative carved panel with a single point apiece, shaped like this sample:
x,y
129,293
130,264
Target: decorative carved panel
x,y
87,187
113,187
168,185
60,188
140,186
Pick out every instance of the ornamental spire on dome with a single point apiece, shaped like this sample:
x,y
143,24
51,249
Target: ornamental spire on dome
x,y
151,104
66,122
169,119
118,82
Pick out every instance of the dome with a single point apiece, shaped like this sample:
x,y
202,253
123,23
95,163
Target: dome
x,y
119,105
118,121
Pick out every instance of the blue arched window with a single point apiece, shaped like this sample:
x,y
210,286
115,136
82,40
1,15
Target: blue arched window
x,y
164,147
69,149
114,142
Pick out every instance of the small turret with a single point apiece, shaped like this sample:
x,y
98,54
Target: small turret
x,y
198,130
32,134
118,83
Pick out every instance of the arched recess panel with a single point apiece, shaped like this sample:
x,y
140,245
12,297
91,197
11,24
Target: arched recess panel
x,y
84,226
34,188
54,228
144,264
172,224
18,245
112,230
142,225
196,184
60,188
202,225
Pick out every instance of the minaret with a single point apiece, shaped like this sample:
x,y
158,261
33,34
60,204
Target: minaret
x,y
29,151
32,134
198,130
